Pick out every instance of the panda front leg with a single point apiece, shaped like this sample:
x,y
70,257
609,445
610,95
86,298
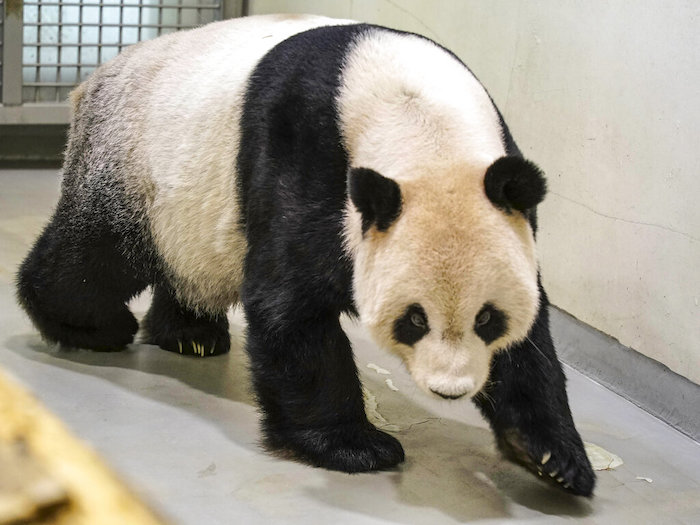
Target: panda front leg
x,y
527,407
177,328
310,395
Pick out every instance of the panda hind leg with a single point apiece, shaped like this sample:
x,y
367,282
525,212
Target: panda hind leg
x,y
75,289
177,328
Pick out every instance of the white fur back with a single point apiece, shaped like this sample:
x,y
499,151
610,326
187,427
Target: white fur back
x,y
184,136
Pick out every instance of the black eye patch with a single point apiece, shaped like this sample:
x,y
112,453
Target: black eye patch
x,y
411,326
490,323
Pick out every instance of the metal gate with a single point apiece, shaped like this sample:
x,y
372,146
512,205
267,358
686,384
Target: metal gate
x,y
49,46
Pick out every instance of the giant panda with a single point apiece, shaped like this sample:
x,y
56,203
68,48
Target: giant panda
x,y
307,167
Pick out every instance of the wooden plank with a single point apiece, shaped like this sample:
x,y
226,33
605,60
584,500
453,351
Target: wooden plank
x,y
27,490
78,489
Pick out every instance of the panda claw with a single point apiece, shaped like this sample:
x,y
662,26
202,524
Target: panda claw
x,y
197,341
552,474
546,457
560,479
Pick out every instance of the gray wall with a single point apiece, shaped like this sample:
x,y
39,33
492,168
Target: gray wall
x,y
604,96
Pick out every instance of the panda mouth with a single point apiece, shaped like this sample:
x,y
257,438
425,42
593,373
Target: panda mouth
x,y
447,396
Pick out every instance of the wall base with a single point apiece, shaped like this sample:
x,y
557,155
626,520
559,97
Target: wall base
x,y
647,383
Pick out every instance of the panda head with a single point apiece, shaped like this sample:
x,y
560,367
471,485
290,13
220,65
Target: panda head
x,y
445,272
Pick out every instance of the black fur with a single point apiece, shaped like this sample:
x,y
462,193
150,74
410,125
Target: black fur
x,y
293,172
406,331
514,183
377,198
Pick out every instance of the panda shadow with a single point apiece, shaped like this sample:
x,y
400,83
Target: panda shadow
x,y
452,467
225,377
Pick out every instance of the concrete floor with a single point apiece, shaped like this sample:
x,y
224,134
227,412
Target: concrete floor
x,y
182,432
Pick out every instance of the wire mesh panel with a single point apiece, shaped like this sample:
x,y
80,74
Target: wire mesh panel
x,y
64,41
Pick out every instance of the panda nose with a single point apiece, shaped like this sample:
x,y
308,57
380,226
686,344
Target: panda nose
x,y
446,396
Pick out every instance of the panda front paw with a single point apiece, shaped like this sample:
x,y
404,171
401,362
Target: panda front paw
x,y
345,448
560,461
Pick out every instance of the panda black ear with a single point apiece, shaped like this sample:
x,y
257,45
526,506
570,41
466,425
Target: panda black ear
x,y
377,198
515,183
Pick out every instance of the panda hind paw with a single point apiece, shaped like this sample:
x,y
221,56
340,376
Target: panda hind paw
x,y
194,348
561,463
197,348
346,449
184,342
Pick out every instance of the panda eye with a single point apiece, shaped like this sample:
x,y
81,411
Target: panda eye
x,y
483,318
412,325
418,320
490,323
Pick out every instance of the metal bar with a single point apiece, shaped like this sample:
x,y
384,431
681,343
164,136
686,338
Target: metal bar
x,y
121,29
33,113
88,24
68,44
48,84
80,46
230,9
140,19
179,12
38,57
121,4
160,20
53,24
59,39
12,53
99,36
61,64
2,16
